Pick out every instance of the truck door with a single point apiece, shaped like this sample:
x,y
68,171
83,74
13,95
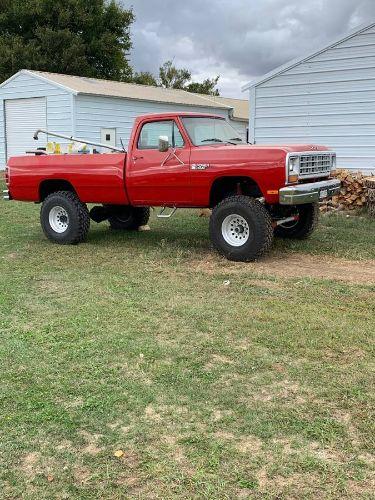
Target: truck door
x,y
157,178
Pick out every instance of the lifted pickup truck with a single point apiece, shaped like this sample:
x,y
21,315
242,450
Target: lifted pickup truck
x,y
181,160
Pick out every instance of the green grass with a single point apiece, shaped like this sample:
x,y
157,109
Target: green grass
x,y
259,389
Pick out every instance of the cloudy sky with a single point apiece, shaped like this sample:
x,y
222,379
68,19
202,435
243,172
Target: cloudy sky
x,y
237,39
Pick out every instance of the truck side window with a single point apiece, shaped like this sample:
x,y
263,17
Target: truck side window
x,y
151,131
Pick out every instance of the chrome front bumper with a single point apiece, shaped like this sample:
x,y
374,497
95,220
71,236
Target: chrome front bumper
x,y
311,192
6,195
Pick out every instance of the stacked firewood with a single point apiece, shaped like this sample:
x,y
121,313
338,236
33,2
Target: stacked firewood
x,y
353,193
370,184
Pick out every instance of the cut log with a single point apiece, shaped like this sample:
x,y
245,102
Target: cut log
x,y
356,191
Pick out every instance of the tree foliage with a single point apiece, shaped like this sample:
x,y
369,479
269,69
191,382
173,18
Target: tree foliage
x,y
78,37
208,86
171,77
144,78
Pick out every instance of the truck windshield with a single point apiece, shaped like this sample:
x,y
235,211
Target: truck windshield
x,y
207,130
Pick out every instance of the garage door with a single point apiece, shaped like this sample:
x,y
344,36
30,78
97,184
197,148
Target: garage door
x,y
22,118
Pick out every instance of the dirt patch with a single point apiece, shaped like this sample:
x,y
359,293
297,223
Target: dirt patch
x,y
82,475
151,414
224,436
29,464
293,486
91,447
65,445
285,391
218,415
249,444
297,266
216,361
357,489
73,403
222,359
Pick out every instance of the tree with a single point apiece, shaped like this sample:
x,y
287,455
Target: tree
x,y
77,37
144,78
208,87
171,77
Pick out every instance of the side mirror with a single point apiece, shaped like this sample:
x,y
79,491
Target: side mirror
x,y
163,143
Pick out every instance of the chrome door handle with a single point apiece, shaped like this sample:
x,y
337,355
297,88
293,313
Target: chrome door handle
x,y
137,158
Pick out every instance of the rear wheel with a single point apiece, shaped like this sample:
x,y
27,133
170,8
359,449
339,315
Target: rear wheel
x,y
64,218
241,228
128,218
308,217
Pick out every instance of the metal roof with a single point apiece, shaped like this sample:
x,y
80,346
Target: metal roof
x,y
306,57
240,106
109,88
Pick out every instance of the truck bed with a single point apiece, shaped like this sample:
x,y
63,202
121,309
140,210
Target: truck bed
x,y
96,178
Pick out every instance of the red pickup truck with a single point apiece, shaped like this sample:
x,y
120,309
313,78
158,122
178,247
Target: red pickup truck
x,y
181,160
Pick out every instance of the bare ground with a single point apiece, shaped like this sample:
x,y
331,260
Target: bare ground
x,y
299,266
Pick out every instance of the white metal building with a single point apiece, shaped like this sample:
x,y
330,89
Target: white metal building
x,y
327,97
97,110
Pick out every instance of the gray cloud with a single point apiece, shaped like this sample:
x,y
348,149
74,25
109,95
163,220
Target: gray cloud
x,y
237,39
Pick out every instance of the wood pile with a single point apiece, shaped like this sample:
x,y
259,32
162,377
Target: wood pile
x,y
370,185
353,193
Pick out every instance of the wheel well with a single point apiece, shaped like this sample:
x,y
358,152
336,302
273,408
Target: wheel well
x,y
53,185
226,186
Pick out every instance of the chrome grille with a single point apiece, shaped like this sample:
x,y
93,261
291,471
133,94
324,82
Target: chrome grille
x,y
315,164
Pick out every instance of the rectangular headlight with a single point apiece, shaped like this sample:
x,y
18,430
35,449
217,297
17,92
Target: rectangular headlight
x,y
294,164
293,169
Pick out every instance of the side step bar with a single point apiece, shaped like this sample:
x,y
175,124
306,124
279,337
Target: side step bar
x,y
163,215
6,195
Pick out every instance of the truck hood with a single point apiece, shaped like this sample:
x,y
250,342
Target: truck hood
x,y
247,154
287,148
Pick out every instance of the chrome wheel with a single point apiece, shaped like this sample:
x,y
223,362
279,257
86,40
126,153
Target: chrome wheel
x,y
59,219
235,230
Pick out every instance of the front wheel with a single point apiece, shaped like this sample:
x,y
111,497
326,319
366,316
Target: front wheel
x,y
241,228
64,218
128,218
304,226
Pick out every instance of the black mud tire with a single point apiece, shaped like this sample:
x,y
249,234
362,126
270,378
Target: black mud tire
x,y
260,231
77,221
128,218
304,227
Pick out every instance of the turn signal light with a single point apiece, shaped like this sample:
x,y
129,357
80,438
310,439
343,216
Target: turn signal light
x,y
293,179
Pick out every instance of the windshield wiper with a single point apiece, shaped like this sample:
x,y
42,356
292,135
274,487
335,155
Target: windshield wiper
x,y
236,139
214,139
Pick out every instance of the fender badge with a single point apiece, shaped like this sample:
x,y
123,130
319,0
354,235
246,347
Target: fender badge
x,y
199,166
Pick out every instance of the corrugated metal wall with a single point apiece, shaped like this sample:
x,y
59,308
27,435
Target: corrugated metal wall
x,y
329,99
93,112
59,116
